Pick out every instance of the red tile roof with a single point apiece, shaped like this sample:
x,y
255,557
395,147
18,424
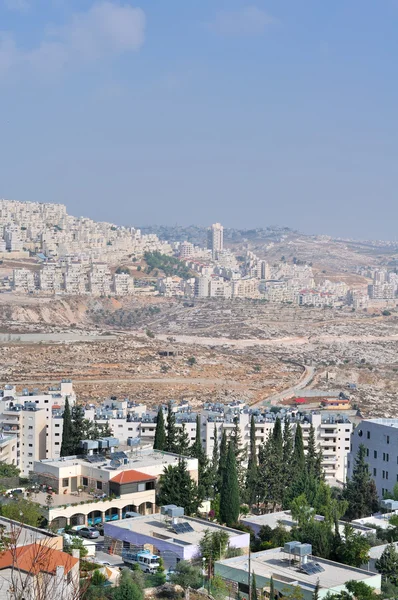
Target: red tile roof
x,y
36,558
132,476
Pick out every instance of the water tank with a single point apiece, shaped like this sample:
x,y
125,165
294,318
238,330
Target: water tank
x,y
302,550
289,546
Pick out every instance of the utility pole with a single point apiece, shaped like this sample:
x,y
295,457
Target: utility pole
x,y
250,576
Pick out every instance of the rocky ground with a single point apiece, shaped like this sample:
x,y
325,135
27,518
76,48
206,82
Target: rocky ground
x,y
242,349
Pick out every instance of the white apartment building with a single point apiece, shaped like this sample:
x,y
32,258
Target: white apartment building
x,y
245,288
186,250
215,239
23,280
75,279
99,279
13,238
382,291
380,438
123,284
220,288
51,278
29,418
332,430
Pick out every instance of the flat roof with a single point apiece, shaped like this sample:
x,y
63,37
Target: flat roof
x,y
275,562
160,526
137,459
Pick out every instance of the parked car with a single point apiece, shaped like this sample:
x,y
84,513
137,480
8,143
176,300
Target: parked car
x,y
89,532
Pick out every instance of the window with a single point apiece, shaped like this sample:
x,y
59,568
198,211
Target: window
x,y
30,427
30,445
85,481
384,474
57,425
388,439
367,451
45,401
368,435
141,487
65,482
99,485
56,443
375,472
57,435
360,432
375,454
387,457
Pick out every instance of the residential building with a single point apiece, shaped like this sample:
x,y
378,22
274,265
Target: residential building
x,y
23,280
172,537
123,284
290,567
380,438
215,239
103,486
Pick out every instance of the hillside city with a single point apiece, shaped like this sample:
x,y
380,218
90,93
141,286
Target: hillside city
x,y
216,471
78,256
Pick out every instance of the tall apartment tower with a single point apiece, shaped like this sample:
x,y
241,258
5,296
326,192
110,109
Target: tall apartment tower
x,y
215,239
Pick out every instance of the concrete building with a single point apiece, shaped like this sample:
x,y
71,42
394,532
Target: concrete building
x,y
290,567
28,428
100,488
23,280
215,239
173,538
123,284
380,438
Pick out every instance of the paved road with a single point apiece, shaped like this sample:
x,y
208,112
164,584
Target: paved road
x,y
305,379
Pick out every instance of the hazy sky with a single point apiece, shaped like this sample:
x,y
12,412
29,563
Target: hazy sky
x,y
195,111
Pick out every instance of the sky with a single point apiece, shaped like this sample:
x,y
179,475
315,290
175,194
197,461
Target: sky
x,y
277,112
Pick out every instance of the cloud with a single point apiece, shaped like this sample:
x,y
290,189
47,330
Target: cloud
x,y
249,21
107,29
17,5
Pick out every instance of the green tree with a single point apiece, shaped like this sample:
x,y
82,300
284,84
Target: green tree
x,y
78,428
106,430
287,451
252,472
354,549
197,448
298,458
271,486
229,496
8,470
214,463
160,433
183,444
387,564
23,511
223,459
315,595
205,475
360,491
67,446
186,575
310,458
271,588
171,430
127,588
254,595
177,487
213,545
76,544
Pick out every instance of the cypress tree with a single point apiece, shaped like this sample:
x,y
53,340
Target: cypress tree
x,y
271,589
310,459
254,587
298,458
197,449
171,435
287,449
251,473
277,440
106,430
78,428
223,459
67,439
214,463
160,433
183,441
315,595
229,496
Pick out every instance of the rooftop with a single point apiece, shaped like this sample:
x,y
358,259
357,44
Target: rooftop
x,y
35,558
275,562
131,476
161,527
138,459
